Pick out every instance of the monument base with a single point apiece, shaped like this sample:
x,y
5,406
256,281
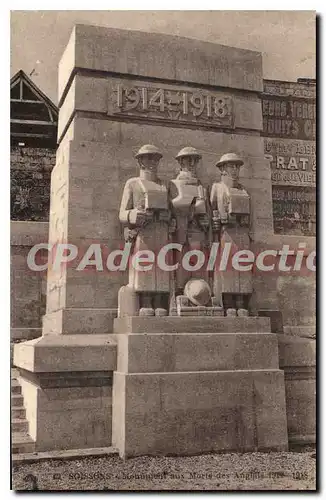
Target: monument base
x,y
189,393
66,384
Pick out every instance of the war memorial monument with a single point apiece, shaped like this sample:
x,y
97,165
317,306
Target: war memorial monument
x,y
161,149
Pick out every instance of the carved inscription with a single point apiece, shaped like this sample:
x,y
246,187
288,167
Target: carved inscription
x,y
170,103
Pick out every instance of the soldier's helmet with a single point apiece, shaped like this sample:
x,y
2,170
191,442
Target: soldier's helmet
x,y
148,149
188,151
229,158
198,292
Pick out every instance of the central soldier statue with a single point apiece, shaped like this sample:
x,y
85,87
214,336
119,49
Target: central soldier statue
x,y
191,292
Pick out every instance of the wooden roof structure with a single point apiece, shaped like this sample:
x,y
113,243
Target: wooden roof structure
x,y
33,116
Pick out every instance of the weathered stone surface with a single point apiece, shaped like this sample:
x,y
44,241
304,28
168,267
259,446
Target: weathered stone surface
x,y
298,360
58,353
27,303
68,418
139,353
198,412
297,298
183,59
173,324
296,351
78,320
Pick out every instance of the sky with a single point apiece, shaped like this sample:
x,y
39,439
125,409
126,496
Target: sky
x,y
285,38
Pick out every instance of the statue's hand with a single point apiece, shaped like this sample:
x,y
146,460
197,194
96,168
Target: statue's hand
x,y
139,218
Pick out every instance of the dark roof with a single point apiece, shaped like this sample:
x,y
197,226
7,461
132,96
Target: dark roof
x,y
33,116
21,76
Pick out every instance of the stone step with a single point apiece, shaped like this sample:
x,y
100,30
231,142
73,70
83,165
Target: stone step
x,y
204,324
18,412
15,387
17,400
19,425
22,443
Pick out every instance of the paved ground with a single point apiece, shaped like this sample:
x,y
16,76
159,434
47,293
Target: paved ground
x,y
248,471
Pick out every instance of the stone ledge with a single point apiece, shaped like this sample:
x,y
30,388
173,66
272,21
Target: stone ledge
x,y
41,456
174,324
79,321
294,351
67,353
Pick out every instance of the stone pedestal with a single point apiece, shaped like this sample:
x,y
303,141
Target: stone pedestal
x,y
181,389
67,388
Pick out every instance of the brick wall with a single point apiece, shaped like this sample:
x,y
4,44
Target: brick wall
x,y
30,170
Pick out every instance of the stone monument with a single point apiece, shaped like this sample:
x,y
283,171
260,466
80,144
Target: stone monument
x,y
168,401
151,384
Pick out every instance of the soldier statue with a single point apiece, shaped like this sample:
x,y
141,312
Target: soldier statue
x,y
230,205
190,209
144,212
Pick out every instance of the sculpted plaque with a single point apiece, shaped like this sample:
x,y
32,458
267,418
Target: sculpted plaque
x,y
162,102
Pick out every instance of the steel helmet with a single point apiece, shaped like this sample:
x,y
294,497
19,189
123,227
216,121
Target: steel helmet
x,y
198,292
229,158
188,151
148,149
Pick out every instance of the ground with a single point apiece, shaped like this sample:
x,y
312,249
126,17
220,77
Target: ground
x,y
232,471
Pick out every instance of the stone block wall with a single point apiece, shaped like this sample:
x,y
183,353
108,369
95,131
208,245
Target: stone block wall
x,y
30,171
27,287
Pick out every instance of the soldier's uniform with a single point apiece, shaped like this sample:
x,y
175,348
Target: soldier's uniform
x,y
189,206
230,205
147,194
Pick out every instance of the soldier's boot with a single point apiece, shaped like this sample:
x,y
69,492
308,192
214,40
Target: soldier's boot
x,y
146,308
240,306
160,304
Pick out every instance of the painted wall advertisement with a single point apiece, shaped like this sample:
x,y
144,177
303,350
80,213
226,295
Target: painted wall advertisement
x,y
289,118
293,176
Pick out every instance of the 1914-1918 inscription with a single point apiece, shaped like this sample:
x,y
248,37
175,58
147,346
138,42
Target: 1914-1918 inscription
x,y
170,103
